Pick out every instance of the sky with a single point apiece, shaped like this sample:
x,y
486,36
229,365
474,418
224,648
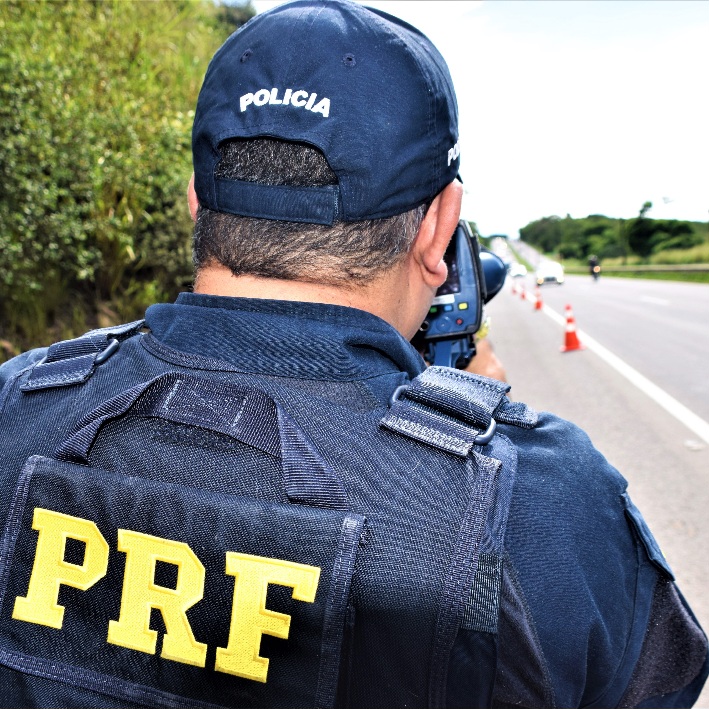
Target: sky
x,y
574,106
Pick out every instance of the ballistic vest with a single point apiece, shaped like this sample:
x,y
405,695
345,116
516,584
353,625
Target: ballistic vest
x,y
177,537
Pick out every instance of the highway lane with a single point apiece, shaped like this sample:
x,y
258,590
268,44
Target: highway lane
x,y
666,466
661,328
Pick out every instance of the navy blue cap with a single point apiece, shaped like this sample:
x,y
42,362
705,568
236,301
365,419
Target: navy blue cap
x,y
367,89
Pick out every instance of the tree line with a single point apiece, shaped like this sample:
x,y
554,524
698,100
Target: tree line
x,y
608,237
96,110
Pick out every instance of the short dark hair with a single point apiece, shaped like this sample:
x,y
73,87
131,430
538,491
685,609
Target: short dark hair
x,y
345,253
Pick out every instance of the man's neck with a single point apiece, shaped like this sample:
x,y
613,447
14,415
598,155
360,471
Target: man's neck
x,y
218,280
383,297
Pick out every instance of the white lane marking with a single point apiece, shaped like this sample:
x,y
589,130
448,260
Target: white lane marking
x,y
655,301
673,407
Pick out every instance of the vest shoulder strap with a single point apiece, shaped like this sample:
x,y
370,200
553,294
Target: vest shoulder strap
x,y
454,410
74,361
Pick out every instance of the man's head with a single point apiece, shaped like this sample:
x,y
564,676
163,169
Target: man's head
x,y
343,254
323,132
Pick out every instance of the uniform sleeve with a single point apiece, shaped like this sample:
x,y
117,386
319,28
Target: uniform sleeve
x,y
590,614
658,659
671,663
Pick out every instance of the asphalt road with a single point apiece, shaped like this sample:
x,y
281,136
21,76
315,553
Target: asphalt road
x,y
660,329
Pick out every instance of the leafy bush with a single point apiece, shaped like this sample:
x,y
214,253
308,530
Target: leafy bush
x,y
96,106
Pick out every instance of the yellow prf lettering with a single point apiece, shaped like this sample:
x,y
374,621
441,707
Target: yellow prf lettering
x,y
50,570
250,619
140,594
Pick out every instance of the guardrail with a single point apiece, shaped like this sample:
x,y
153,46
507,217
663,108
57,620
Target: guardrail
x,y
695,267
689,272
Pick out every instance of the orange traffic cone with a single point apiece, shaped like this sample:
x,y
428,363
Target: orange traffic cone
x,y
514,287
571,340
522,294
538,299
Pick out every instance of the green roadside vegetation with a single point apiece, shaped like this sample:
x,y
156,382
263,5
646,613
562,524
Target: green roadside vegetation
x,y
96,110
640,247
520,258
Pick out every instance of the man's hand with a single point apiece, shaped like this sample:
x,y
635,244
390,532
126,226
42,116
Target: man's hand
x,y
486,362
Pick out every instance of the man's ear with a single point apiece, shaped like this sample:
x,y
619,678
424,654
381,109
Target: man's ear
x,y
435,233
192,200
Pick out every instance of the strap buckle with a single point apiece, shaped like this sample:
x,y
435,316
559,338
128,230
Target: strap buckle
x,y
481,439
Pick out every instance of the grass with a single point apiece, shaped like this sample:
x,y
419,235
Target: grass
x,y
697,254
523,261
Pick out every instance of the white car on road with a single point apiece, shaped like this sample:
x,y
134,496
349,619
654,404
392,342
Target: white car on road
x,y
549,272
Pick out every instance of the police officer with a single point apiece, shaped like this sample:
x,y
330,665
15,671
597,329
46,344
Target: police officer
x,y
433,562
